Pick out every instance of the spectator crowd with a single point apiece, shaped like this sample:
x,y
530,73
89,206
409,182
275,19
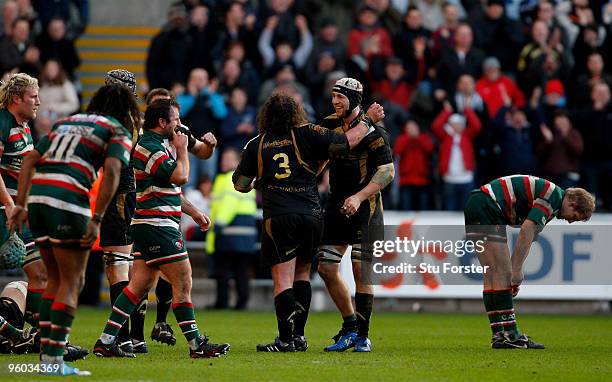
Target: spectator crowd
x,y
472,89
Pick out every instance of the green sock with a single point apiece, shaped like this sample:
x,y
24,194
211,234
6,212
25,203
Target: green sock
x,y
62,316
185,316
8,330
489,303
44,321
507,317
124,306
32,308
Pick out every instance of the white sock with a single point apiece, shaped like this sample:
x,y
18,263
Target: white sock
x,y
44,358
194,344
107,339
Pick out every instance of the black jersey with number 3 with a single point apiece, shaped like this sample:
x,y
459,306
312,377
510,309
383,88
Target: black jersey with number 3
x,y
286,166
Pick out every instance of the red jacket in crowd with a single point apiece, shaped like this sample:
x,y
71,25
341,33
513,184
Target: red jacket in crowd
x,y
357,38
492,95
471,131
414,159
399,93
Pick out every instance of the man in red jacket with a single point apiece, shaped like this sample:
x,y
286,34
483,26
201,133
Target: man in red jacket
x,y
367,41
414,149
394,86
494,87
456,133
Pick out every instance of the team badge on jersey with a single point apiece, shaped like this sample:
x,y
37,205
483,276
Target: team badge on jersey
x,y
179,245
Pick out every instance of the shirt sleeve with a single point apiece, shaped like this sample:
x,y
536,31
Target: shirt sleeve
x,y
119,146
43,144
248,160
324,143
380,150
161,165
153,161
547,204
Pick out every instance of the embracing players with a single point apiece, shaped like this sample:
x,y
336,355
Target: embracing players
x,y
285,159
520,200
354,215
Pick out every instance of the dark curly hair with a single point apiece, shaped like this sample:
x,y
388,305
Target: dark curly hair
x,y
118,102
280,113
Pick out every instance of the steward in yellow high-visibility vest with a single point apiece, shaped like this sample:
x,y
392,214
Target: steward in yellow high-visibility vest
x,y
233,233
233,218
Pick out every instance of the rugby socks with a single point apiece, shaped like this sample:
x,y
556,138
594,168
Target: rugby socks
x,y
32,308
500,310
123,307
138,320
185,317
115,290
62,316
163,292
303,294
8,330
44,321
363,311
284,303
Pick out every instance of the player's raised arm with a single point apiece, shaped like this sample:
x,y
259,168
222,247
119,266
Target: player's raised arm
x,y
180,175
204,147
357,133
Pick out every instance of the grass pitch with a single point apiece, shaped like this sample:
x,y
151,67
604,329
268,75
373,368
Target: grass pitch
x,y
437,347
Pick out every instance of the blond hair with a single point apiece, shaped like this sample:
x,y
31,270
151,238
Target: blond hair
x,y
15,86
584,200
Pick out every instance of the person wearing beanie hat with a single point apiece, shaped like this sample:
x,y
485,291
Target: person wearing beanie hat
x,y
496,89
354,214
352,90
121,77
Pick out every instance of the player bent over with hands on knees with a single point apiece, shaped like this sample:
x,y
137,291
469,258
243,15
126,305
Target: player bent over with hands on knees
x,y
54,183
354,215
284,160
160,170
519,200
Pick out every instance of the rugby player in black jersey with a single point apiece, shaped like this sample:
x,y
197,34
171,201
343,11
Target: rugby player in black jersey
x,y
285,159
354,214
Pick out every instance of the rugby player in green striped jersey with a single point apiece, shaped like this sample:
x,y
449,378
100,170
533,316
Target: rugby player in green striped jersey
x,y
519,200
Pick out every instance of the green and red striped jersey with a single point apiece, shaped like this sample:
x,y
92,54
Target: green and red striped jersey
x,y
71,155
158,200
521,197
15,143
